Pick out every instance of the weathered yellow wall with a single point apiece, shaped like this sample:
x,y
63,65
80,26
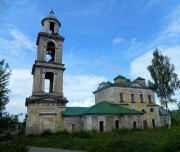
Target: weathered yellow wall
x,y
112,95
39,118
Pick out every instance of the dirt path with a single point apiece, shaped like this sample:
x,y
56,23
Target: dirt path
x,y
38,149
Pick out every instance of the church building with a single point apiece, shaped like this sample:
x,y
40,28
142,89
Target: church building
x,y
122,104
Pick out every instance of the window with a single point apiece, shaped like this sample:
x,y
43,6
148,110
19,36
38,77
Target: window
x,y
134,124
117,124
51,28
153,123
149,98
164,121
151,110
141,98
132,98
143,110
121,97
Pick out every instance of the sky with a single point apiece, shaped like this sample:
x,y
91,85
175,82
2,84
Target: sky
x,y
103,39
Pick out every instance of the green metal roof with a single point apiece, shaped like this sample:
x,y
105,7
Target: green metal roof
x,y
74,111
101,108
119,76
105,107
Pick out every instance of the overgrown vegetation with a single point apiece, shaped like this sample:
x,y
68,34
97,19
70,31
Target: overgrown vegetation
x,y
123,140
8,122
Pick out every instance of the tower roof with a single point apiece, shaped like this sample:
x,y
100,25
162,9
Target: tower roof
x,y
119,76
51,17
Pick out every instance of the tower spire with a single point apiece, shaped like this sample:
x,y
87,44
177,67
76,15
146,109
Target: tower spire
x,y
52,12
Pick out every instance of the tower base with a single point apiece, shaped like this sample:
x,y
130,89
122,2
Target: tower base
x,y
44,113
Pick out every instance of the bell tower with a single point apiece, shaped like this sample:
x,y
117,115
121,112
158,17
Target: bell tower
x,y
46,104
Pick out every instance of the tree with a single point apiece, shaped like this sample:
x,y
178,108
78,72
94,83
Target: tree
x,y
178,104
165,79
4,82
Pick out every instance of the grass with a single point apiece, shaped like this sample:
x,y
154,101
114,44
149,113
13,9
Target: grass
x,y
124,140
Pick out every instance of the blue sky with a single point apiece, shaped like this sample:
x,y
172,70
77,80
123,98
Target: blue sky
x,y
103,38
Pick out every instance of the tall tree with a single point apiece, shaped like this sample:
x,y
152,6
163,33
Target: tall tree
x,y
165,79
4,82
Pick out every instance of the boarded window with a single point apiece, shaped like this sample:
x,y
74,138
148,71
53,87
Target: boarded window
x,y
73,127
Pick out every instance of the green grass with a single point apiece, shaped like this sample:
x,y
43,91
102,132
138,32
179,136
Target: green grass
x,y
123,140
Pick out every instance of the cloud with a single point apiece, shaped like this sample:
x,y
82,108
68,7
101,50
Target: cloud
x,y
23,41
78,88
138,67
151,3
17,49
115,69
118,40
170,32
86,103
98,62
20,85
167,41
14,2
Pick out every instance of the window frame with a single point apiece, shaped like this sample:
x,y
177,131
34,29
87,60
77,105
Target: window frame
x,y
149,98
133,98
121,97
141,98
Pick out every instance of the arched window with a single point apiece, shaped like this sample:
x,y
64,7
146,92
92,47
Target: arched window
x,y
143,110
50,52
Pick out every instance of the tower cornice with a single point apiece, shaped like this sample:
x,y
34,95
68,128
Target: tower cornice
x,y
51,36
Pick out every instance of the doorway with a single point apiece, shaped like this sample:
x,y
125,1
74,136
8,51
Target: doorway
x,y
73,127
101,126
145,124
117,124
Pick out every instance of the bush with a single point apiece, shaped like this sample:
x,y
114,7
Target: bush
x,y
64,132
46,132
171,143
81,134
9,147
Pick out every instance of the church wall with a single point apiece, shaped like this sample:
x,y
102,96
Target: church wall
x,y
68,121
41,117
112,95
92,122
